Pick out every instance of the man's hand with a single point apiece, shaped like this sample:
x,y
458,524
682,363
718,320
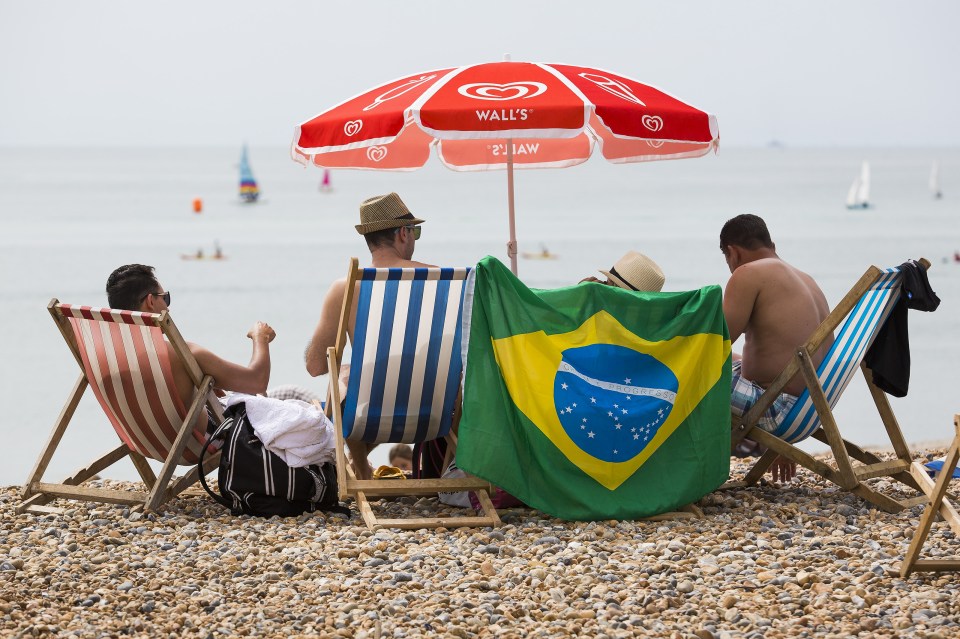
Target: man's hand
x,y
783,470
261,332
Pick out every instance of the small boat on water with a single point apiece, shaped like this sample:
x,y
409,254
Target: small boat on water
x,y
543,254
200,255
935,181
249,191
858,197
325,186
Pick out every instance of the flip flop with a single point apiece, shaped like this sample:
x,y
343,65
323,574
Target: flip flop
x,y
388,472
937,465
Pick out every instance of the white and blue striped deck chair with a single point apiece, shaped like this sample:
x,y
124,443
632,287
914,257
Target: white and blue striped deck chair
x,y
856,320
404,379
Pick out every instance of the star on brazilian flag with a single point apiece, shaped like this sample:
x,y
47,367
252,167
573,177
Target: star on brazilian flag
x,y
592,402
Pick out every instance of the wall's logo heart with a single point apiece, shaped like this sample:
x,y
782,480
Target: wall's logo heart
x,y
353,127
652,122
655,143
499,92
376,153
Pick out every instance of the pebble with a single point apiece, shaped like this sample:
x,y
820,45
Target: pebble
x,y
801,559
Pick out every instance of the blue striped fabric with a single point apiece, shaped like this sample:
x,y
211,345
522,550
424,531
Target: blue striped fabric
x,y
841,363
405,359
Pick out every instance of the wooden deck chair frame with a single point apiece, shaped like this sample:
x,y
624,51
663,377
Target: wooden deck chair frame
x,y
363,490
937,502
848,475
37,494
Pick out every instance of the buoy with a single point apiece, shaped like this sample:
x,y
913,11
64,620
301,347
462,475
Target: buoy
x,y
197,205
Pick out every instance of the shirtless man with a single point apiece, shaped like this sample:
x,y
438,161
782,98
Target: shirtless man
x,y
391,232
135,288
776,307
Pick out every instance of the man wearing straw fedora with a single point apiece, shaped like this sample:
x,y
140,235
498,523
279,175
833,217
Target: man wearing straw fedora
x,y
391,232
633,272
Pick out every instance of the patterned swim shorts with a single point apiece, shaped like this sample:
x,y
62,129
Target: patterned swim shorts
x,y
745,394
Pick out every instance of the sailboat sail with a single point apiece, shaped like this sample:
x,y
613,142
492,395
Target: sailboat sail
x,y
858,197
249,191
935,181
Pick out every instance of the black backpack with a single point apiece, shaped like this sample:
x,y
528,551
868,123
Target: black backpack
x,y
254,481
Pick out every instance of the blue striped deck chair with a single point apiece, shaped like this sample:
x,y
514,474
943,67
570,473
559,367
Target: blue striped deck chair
x,y
856,320
404,380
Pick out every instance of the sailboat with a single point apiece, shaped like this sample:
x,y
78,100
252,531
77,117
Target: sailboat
x,y
935,181
249,191
858,197
325,185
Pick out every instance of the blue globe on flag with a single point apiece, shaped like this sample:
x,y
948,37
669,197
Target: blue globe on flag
x,y
611,400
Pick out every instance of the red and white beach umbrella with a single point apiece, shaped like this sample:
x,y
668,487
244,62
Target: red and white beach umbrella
x,y
500,115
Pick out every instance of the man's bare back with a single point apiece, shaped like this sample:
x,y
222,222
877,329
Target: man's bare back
x,y
776,307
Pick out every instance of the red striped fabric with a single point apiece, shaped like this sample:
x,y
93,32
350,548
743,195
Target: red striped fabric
x,y
109,315
127,363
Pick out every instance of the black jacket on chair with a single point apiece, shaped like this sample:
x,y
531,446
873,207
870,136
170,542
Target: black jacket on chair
x,y
889,355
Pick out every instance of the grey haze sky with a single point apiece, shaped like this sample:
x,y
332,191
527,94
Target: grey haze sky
x,y
216,72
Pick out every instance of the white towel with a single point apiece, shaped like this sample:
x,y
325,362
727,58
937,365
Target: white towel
x,y
297,432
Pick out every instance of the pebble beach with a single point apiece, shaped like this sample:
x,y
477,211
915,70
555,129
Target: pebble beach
x,y
797,560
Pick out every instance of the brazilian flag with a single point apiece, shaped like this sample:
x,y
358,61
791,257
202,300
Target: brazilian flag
x,y
592,402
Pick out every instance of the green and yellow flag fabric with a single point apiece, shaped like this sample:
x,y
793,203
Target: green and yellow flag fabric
x,y
592,402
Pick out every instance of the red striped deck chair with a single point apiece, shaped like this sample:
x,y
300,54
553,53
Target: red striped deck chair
x,y
856,319
124,359
404,381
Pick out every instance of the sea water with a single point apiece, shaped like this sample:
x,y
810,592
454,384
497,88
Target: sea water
x,y
71,216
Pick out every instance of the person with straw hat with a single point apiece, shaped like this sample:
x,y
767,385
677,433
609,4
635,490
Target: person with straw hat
x,y
391,232
633,272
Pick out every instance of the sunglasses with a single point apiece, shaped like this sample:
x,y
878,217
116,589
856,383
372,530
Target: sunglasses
x,y
413,229
165,296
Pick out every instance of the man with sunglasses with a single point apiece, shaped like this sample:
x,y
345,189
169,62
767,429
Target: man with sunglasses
x,y
391,232
134,287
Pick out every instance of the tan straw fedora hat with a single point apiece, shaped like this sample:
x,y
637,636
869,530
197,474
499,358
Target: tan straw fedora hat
x,y
384,212
636,272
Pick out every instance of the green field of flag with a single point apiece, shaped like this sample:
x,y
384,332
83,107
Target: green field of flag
x,y
592,402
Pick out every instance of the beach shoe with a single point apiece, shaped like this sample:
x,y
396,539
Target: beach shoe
x,y
388,472
748,448
936,466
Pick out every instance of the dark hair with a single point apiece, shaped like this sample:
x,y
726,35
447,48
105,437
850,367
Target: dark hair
x,y
129,284
403,451
747,231
385,237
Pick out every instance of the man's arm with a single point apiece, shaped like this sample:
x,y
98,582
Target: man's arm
x,y
251,379
325,334
738,300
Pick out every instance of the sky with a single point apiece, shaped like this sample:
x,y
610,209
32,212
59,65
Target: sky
x,y
212,73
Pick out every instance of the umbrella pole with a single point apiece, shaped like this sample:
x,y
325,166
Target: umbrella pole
x,y
512,244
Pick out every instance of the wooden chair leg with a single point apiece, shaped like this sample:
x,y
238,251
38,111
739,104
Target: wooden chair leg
x,y
79,476
882,402
158,494
763,465
937,504
59,427
848,479
143,468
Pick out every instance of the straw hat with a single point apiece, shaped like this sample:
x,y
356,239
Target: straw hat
x,y
384,212
636,272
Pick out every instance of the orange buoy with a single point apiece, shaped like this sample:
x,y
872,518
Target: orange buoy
x,y
197,205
